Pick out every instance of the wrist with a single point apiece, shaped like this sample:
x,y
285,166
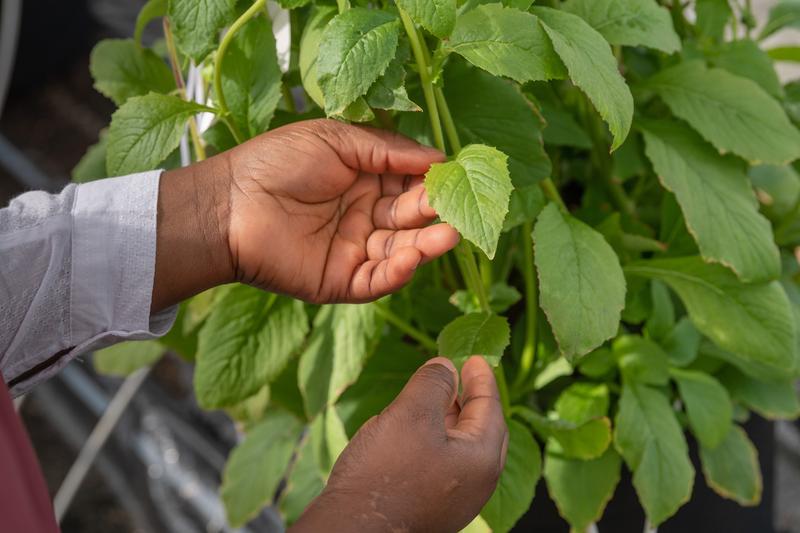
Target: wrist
x,y
192,251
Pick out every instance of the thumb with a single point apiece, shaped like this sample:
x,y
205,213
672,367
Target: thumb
x,y
429,393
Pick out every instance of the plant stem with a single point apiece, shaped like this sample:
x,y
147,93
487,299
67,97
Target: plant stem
x,y
288,98
486,271
344,5
405,327
472,277
502,388
447,119
199,149
425,79
551,193
257,6
531,309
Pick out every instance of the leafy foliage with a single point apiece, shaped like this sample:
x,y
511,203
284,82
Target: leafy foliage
x,y
628,261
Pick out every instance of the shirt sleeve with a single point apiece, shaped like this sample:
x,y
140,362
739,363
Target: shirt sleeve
x,y
76,274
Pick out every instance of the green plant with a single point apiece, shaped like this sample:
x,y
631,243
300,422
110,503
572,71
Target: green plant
x,y
628,255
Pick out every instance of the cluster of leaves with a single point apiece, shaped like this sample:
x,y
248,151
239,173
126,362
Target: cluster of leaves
x,y
624,181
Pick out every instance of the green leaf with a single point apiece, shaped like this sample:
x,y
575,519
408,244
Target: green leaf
x,y
682,343
303,484
744,58
662,319
122,69
641,360
505,42
501,297
525,205
152,10
651,441
472,194
581,282
197,23
126,358
145,130
755,321
581,402
732,113
342,340
592,67
92,165
785,53
712,17
629,22
251,77
383,377
732,470
778,188
785,14
309,51
717,200
774,400
492,111
389,91
517,484
475,334
436,16
256,467
597,479
252,410
356,49
245,343
328,440
585,441
708,406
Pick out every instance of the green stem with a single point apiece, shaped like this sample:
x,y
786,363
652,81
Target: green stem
x,y
257,6
447,119
288,98
425,79
502,387
344,5
405,327
551,193
486,271
199,149
472,277
531,309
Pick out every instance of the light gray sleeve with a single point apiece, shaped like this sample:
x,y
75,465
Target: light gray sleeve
x,y
76,274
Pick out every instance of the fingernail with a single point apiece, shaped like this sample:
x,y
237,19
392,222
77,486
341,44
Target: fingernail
x,y
444,361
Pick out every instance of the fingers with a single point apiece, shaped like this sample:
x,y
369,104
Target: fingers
x,y
429,394
377,278
404,211
481,412
377,151
432,241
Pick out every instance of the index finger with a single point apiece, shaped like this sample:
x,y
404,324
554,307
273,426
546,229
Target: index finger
x,y
481,411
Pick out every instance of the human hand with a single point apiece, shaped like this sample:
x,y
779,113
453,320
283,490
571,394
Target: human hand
x,y
319,210
427,463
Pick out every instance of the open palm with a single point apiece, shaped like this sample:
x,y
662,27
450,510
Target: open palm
x,y
328,212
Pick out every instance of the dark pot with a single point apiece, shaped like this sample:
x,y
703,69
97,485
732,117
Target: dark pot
x,y
705,512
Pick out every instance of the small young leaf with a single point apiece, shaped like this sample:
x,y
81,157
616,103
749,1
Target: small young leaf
x,y
592,67
585,441
712,17
145,130
472,194
246,343
582,285
717,200
597,480
256,467
122,69
708,406
475,334
784,14
651,441
732,113
517,484
754,321
505,42
629,22
389,91
641,360
197,24
251,77
732,469
682,343
357,47
436,16
581,402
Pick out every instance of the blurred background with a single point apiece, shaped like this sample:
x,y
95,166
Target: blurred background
x,y
160,468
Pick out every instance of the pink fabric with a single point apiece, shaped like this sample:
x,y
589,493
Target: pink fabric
x,y
24,502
